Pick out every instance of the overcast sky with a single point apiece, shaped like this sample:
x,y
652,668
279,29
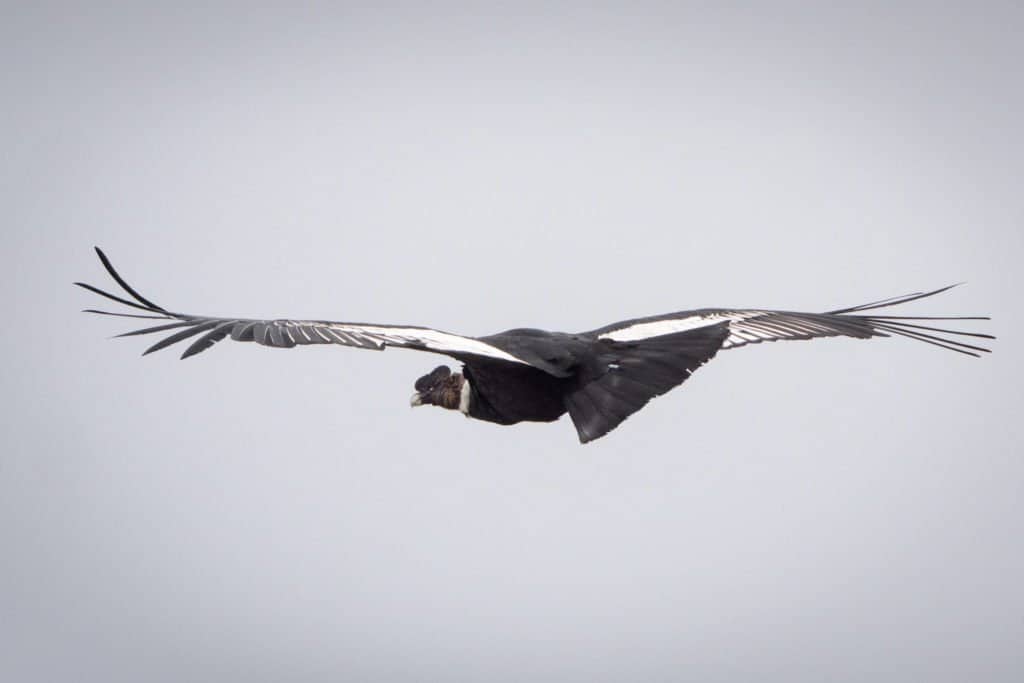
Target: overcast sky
x,y
837,510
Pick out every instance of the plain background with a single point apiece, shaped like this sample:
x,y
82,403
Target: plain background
x,y
836,510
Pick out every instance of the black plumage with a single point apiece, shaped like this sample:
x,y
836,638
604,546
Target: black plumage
x,y
599,377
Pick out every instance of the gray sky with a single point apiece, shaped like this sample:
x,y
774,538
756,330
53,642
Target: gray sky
x,y
836,510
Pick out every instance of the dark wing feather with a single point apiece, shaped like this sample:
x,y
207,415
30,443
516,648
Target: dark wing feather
x,y
636,373
288,333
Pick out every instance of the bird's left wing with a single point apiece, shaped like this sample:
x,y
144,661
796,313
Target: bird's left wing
x,y
287,333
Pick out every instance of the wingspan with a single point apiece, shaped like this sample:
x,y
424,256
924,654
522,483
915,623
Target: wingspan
x,y
286,333
754,326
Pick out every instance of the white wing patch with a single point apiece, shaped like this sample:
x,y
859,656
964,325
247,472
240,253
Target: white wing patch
x,y
379,336
745,327
659,328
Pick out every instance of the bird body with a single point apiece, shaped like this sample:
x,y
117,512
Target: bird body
x,y
599,377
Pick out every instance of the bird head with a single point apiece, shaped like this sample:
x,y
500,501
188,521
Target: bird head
x,y
438,388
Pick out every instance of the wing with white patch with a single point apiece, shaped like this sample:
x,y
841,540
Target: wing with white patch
x,y
287,333
745,326
749,326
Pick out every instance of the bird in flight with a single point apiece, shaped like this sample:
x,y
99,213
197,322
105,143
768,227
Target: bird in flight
x,y
599,377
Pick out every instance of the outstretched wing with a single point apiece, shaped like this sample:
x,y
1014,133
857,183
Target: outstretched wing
x,y
755,326
286,333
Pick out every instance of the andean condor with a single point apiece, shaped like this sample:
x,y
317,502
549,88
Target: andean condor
x,y
599,377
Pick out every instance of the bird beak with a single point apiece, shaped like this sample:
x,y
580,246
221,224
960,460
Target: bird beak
x,y
416,400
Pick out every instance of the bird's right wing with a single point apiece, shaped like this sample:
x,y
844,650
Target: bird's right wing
x,y
752,326
285,333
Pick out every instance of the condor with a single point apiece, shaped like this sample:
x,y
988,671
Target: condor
x,y
599,377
